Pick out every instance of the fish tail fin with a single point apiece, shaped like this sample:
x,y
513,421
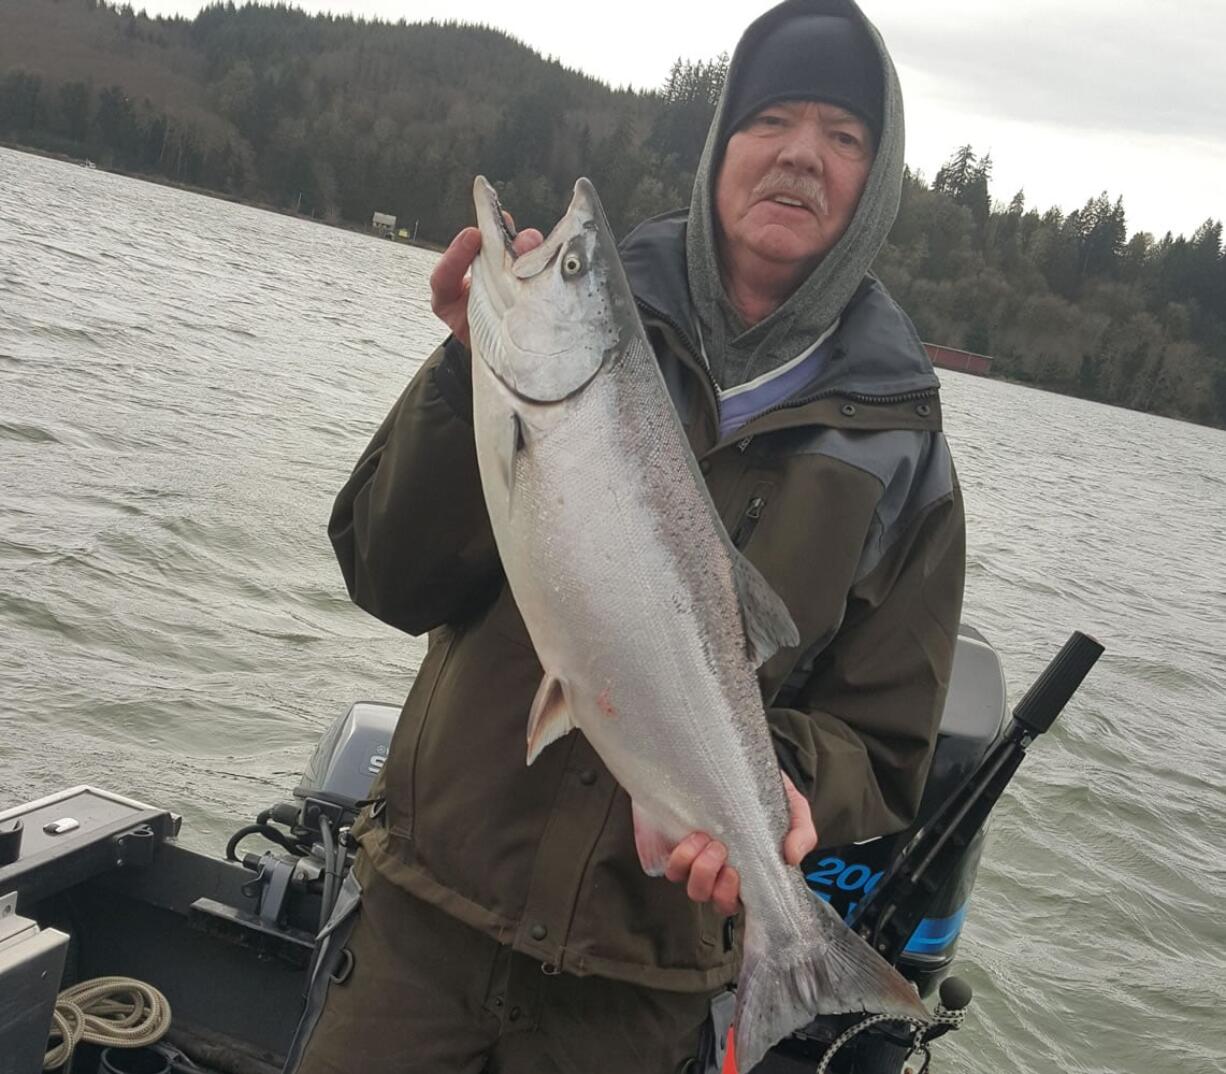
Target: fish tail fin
x,y
785,985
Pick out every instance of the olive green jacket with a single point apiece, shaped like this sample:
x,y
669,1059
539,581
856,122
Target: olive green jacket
x,y
845,499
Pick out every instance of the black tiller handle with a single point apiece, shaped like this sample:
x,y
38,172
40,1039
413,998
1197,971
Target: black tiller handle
x,y
1051,691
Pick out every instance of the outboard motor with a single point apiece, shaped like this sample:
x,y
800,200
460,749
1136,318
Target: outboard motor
x,y
296,887
971,724
907,895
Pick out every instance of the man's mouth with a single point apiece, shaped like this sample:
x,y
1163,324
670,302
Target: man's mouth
x,y
783,199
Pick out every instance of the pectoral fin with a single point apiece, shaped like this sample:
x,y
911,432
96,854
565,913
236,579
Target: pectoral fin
x,y
550,718
510,441
768,623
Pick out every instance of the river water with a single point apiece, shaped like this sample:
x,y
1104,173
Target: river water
x,y
184,385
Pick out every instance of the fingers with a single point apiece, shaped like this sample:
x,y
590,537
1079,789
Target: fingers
x,y
802,835
528,239
797,844
449,283
683,855
727,892
522,242
703,873
699,862
447,279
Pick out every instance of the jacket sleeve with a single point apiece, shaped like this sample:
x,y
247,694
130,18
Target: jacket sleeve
x,y
857,738
410,527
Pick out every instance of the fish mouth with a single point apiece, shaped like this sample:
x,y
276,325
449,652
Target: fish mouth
x,y
585,213
545,320
490,220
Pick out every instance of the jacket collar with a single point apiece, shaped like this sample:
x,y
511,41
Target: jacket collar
x,y
876,354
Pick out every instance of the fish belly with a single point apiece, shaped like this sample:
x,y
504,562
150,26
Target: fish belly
x,y
625,585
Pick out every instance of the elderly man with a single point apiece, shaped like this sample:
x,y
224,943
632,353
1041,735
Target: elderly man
x,y
504,923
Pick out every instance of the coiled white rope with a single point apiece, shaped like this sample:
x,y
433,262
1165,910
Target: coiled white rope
x,y
111,1011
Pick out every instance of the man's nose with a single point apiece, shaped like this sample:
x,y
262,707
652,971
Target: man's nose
x,y
803,151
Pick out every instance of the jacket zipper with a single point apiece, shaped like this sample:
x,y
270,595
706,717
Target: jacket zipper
x,y
749,522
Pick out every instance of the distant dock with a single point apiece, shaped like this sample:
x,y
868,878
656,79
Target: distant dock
x,y
963,361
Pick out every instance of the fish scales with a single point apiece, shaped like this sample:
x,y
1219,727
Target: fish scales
x,y
595,543
643,615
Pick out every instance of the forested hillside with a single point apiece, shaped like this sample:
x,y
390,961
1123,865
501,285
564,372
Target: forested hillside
x,y
336,117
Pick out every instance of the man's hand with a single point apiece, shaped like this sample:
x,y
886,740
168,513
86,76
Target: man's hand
x,y
449,282
698,861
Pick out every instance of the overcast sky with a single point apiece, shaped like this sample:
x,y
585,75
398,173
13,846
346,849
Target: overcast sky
x,y
1127,96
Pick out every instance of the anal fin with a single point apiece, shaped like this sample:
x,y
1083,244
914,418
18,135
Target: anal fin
x,y
550,717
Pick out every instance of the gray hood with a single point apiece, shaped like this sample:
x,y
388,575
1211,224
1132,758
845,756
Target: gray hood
x,y
736,354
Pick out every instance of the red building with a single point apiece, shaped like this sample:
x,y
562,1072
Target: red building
x,y
963,361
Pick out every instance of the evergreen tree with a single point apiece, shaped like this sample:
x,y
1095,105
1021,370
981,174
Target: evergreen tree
x,y
335,117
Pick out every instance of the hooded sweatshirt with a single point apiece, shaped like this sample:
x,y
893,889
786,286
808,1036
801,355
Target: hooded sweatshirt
x,y
736,353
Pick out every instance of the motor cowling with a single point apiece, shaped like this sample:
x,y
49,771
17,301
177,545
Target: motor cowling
x,y
348,757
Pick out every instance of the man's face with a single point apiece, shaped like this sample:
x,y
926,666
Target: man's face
x,y
789,184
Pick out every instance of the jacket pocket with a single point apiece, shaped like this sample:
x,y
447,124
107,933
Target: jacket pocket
x,y
751,515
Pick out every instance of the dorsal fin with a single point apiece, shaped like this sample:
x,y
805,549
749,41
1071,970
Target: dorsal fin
x,y
768,623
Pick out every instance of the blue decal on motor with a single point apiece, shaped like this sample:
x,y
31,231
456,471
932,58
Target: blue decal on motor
x,y
834,875
934,934
834,872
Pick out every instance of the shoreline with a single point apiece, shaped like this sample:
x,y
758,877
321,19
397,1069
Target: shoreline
x,y
233,199
994,374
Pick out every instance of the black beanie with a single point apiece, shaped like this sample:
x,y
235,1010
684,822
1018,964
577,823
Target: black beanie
x,y
809,58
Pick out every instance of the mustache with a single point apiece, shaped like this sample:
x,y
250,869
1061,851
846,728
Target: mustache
x,y
791,185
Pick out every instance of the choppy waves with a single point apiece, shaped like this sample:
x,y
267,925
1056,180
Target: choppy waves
x,y
184,385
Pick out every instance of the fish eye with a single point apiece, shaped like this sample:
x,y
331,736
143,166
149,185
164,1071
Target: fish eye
x,y
571,264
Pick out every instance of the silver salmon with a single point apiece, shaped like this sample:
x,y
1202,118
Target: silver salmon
x,y
648,623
